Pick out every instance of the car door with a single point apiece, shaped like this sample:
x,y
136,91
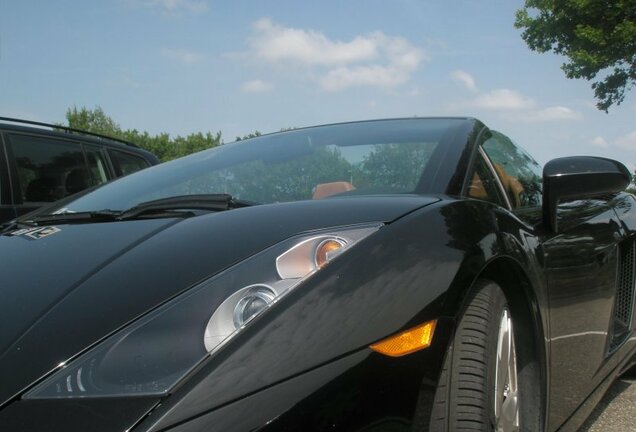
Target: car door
x,y
581,270
580,265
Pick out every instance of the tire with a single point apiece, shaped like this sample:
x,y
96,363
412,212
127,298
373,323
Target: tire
x,y
478,386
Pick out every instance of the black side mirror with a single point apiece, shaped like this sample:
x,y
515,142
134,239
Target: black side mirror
x,y
579,177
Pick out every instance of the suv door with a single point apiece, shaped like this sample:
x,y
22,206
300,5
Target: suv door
x,y
7,210
44,169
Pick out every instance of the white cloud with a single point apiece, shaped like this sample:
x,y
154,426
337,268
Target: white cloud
x,y
375,75
256,86
187,57
599,141
501,99
465,79
176,7
373,59
513,106
628,141
275,43
554,113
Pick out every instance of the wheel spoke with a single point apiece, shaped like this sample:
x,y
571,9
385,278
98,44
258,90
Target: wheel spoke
x,y
510,414
506,399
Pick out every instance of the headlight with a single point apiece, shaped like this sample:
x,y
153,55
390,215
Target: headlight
x,y
150,356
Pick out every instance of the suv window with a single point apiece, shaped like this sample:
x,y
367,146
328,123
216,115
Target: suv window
x,y
48,170
95,159
43,164
126,163
520,174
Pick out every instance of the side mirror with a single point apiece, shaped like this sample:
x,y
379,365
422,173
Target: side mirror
x,y
579,177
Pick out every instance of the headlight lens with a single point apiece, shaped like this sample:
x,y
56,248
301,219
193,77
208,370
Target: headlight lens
x,y
254,302
150,356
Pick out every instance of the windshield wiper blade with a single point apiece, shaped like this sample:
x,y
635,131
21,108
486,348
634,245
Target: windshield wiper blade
x,y
176,206
170,205
69,217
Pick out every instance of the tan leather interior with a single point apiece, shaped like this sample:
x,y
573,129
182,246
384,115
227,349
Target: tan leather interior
x,y
476,188
324,190
511,185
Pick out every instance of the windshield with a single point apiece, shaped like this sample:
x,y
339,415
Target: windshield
x,y
381,157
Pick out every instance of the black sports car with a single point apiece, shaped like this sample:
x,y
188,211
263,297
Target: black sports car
x,y
412,274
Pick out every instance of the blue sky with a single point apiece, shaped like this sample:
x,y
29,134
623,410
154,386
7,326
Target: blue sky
x,y
182,66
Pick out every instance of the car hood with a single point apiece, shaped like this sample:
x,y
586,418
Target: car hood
x,y
65,291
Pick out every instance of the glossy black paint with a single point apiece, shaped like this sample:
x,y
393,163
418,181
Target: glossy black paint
x,y
306,365
133,272
97,415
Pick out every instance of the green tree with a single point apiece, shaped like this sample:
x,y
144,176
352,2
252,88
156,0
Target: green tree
x,y
249,135
162,145
94,120
598,37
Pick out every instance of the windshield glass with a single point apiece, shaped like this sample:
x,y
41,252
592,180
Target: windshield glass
x,y
356,158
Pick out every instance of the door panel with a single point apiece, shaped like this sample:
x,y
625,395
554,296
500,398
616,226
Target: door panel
x,y
581,266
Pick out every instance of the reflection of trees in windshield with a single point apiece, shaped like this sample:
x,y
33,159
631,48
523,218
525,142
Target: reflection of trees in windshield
x,y
383,168
395,166
290,180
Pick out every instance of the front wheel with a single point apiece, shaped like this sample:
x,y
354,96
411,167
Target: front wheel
x,y
478,388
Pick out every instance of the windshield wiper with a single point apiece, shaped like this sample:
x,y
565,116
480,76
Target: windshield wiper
x,y
176,206
207,202
83,217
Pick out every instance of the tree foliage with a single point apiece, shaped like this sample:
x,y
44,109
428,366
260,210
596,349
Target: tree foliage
x,y
597,36
250,135
162,145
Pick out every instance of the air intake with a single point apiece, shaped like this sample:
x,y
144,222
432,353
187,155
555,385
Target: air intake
x,y
624,301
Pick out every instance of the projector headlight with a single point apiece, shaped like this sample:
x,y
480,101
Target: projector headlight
x,y
150,356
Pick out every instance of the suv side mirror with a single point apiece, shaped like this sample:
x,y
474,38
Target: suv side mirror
x,y
579,177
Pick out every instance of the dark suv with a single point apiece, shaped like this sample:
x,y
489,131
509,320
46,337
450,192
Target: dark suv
x,y
43,164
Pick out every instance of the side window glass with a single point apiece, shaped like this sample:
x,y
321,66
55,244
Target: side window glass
x,y
126,163
518,172
44,167
482,184
96,165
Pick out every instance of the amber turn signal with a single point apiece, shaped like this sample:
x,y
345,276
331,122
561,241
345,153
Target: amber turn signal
x,y
324,249
408,341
